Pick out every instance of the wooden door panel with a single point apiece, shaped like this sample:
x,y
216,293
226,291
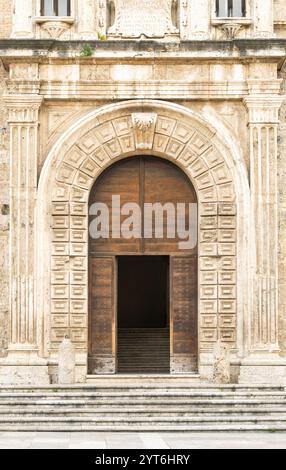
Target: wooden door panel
x,y
184,328
142,180
102,315
122,179
166,183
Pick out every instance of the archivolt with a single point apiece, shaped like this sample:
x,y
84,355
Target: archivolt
x,y
96,141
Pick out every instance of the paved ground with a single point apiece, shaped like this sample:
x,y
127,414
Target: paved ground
x,y
37,440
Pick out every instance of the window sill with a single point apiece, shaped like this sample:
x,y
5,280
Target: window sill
x,y
54,19
237,20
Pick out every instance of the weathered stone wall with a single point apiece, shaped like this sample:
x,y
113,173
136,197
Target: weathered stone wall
x,y
5,18
280,18
279,10
4,220
282,224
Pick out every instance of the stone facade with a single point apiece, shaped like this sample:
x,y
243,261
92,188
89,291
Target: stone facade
x,y
76,93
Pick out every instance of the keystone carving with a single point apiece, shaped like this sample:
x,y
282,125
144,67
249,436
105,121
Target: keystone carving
x,y
144,129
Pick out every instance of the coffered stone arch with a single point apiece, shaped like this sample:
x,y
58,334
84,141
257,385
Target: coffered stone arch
x,y
100,138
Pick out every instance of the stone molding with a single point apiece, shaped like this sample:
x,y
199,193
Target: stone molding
x,y
165,90
26,81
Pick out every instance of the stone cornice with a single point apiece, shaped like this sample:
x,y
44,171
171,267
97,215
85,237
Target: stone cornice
x,y
38,50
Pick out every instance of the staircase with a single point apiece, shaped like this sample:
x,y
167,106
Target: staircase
x,y
143,350
143,405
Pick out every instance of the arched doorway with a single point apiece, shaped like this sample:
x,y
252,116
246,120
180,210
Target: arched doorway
x,y
142,286
214,165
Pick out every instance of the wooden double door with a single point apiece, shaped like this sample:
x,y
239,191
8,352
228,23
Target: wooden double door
x,y
142,180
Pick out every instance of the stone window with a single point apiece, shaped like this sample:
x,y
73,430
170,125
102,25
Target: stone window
x,y
55,8
230,8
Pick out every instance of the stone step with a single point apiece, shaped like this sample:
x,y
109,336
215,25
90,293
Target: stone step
x,y
91,427
158,349
144,367
141,381
153,339
125,340
147,394
271,421
147,356
142,330
42,411
129,355
179,404
150,381
144,350
144,357
144,406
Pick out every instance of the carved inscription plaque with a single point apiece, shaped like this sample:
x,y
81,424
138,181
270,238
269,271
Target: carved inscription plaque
x,y
136,18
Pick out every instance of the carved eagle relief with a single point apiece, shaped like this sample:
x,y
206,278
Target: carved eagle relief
x,y
137,18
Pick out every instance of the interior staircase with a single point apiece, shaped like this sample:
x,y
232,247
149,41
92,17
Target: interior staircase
x,y
142,403
143,350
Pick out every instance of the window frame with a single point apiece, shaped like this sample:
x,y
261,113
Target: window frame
x,y
230,9
55,8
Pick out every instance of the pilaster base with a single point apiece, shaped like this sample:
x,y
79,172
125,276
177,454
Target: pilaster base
x,y
184,364
101,365
263,371
23,367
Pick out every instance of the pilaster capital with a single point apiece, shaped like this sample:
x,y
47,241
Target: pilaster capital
x,y
263,109
23,108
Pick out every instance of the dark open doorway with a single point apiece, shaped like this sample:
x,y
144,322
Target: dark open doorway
x,y
143,314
